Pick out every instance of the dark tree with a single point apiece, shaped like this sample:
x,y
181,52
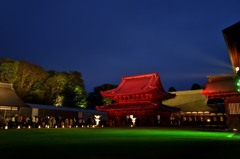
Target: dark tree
x,y
196,86
95,98
28,75
74,94
104,87
172,89
65,89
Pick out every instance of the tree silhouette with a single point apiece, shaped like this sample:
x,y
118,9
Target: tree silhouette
x,y
196,86
172,89
95,98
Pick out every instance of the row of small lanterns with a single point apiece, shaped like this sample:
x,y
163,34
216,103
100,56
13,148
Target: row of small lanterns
x,y
47,126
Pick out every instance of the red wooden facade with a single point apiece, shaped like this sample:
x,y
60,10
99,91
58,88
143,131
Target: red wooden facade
x,y
140,96
224,88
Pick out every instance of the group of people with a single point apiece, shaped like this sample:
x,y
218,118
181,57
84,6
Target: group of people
x,y
19,121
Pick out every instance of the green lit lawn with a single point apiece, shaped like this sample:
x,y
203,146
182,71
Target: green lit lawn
x,y
124,143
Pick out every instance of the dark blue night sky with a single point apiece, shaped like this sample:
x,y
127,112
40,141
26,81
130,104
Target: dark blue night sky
x,y
182,40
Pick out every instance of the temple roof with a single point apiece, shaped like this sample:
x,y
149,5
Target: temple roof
x,y
52,107
232,39
220,87
139,84
190,101
8,97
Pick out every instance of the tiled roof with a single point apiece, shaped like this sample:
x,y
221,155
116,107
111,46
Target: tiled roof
x,y
189,100
8,97
52,107
136,85
220,86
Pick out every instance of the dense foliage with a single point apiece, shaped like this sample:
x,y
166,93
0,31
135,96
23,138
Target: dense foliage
x,y
35,85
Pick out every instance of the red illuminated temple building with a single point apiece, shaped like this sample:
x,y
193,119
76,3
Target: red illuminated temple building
x,y
139,97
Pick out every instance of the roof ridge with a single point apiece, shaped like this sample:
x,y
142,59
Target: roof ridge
x,y
140,75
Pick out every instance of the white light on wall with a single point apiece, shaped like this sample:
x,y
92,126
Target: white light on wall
x,y
237,69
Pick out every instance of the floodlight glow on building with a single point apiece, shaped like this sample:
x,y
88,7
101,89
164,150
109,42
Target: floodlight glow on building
x,y
237,69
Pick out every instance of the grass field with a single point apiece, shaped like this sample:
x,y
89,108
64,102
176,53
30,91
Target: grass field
x,y
124,143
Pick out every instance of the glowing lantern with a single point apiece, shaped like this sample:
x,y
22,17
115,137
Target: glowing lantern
x,y
238,84
237,69
97,119
133,120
